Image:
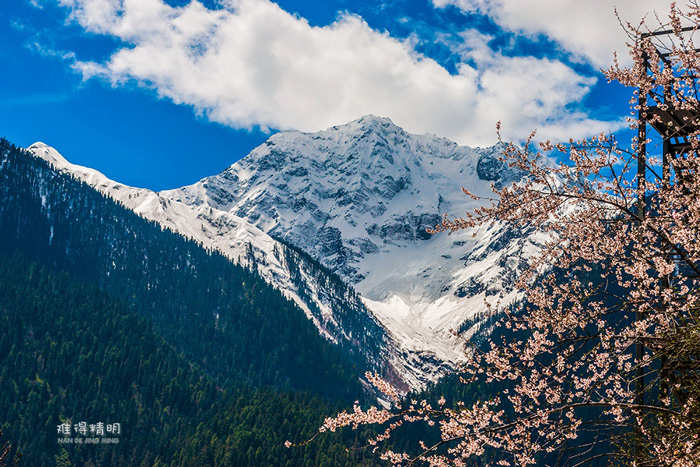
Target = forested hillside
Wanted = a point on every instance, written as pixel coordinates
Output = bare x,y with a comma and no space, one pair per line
72,353
215,313
108,318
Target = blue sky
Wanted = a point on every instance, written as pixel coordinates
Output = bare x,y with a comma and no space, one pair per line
160,93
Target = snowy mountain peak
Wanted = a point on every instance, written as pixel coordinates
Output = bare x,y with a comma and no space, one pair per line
90,176
358,199
368,127
371,122
48,153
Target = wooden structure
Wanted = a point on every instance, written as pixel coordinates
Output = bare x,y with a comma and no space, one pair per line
678,126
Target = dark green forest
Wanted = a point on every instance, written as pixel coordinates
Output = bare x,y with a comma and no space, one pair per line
109,318
72,353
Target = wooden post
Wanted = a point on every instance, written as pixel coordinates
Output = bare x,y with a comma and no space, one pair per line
641,213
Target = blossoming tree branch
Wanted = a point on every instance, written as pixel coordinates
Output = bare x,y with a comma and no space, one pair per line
601,362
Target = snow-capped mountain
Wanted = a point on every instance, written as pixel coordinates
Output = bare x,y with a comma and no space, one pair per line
357,198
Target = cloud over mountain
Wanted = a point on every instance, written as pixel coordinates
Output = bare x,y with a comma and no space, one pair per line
589,30
250,63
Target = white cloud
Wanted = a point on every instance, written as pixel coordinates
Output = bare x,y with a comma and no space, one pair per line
252,64
588,29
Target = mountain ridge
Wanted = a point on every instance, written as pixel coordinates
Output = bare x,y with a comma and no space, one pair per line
357,198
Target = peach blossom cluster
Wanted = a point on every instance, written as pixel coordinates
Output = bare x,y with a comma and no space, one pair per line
611,317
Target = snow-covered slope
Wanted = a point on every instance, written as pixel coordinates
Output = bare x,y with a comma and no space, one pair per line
358,199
